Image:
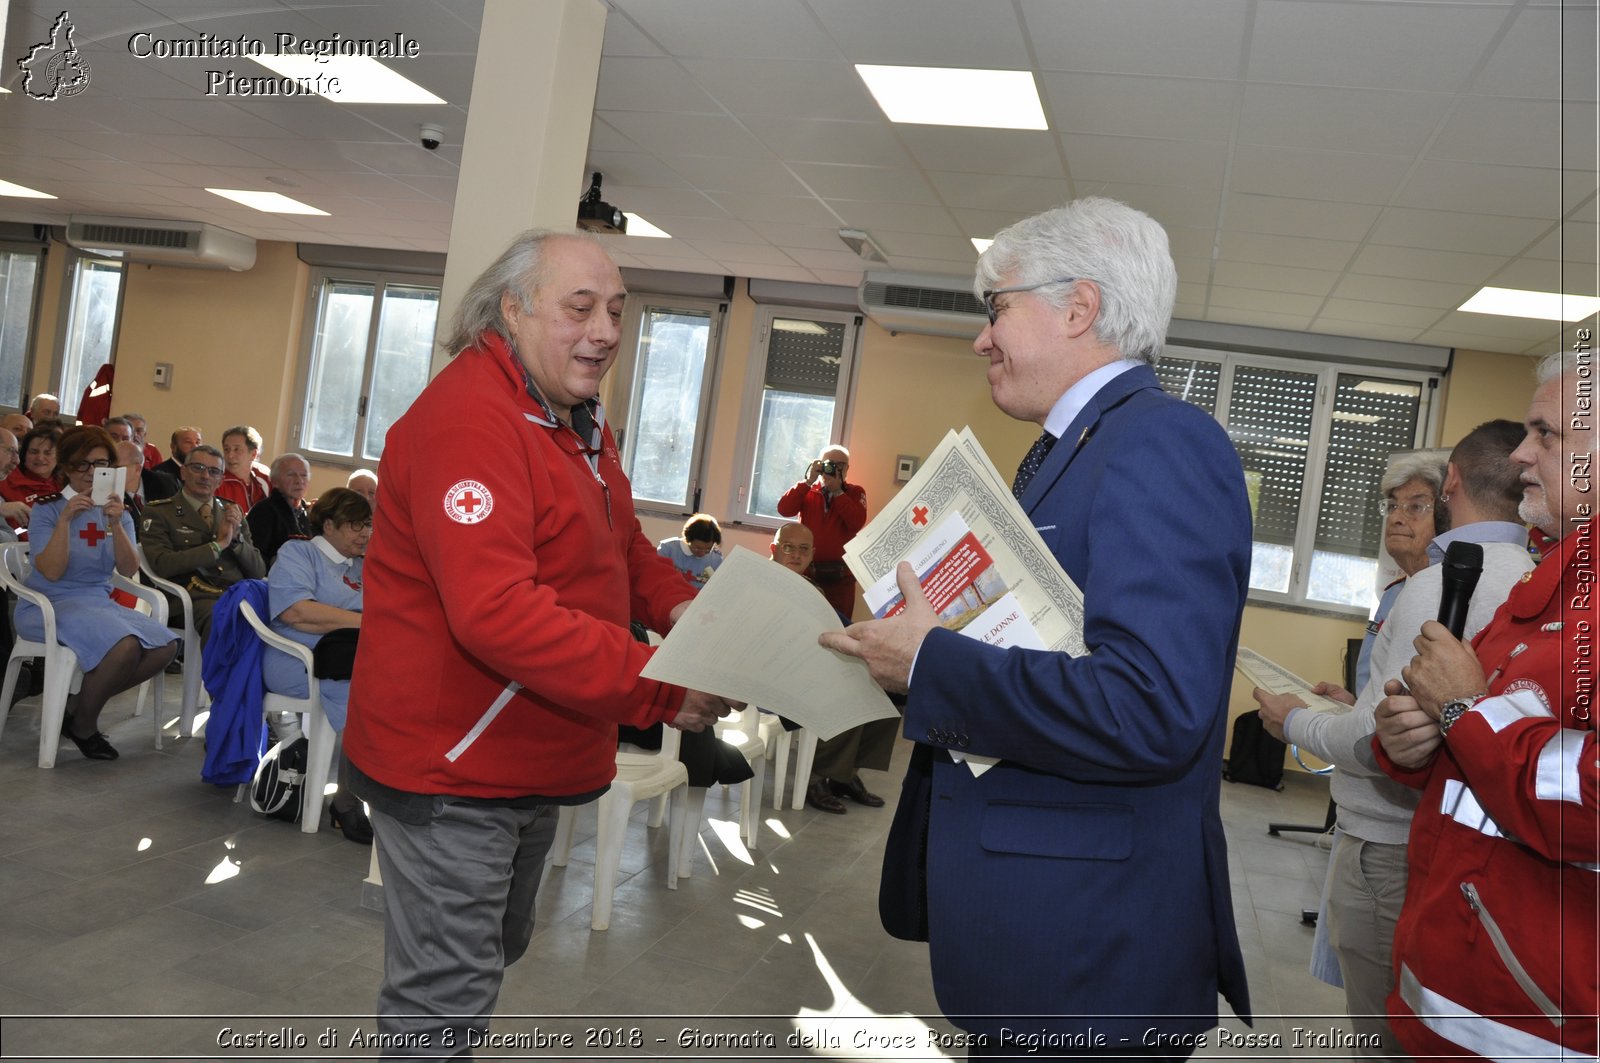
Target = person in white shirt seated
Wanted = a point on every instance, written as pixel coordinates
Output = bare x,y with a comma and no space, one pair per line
698,551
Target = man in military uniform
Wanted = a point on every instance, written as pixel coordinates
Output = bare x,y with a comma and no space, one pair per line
199,540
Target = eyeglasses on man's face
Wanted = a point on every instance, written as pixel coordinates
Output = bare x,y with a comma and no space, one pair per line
989,294
213,472
1410,509
85,466
795,548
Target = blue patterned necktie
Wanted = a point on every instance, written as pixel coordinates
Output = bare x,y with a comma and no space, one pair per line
1031,462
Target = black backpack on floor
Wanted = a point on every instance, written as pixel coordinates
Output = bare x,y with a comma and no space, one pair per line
1255,757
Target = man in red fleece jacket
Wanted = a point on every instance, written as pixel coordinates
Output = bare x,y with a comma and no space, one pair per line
495,660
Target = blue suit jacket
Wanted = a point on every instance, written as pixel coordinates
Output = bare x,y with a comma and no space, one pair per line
1082,883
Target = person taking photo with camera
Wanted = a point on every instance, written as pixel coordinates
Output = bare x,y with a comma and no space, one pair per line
834,510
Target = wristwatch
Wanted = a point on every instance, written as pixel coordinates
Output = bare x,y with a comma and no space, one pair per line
1455,708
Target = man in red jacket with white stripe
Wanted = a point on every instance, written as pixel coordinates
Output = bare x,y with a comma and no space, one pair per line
1497,951
496,660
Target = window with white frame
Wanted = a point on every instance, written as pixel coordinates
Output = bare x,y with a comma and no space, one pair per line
796,403
370,343
19,282
1314,439
669,360
93,300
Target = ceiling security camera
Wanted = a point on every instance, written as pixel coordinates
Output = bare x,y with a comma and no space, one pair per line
431,136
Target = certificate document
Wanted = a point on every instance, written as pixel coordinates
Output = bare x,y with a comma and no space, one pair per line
751,635
984,568
1271,676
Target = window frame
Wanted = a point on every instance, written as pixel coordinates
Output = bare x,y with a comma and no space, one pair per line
70,396
321,277
41,254
739,491
627,380
1309,512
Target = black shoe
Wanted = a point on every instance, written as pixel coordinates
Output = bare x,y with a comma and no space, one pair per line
95,747
820,797
856,791
355,825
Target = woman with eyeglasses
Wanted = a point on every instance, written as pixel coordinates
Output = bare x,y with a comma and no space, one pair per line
314,589
76,546
34,477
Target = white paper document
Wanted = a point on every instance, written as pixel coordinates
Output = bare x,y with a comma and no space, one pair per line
751,635
981,563
1274,677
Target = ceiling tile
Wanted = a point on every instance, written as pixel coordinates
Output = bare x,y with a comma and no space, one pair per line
1138,160
1504,132
1271,302
1412,317
1546,275
629,83
691,229
921,245
634,169
779,210
844,278
1274,278
818,140
1521,65
1309,174
1286,250
787,236
765,176
1404,291
667,134
743,252
1027,153
985,223
766,271
900,217
1387,45
1193,208
1120,105
625,38
1444,230
1386,261
1525,329
1232,316
1369,330
1340,119
1029,194
1573,241
1517,191
762,87
1170,37
772,29
841,259
973,33
831,181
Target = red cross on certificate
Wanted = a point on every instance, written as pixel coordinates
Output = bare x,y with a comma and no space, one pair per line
91,534
468,502
919,514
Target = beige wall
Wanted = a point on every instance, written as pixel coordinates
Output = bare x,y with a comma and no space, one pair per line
1481,387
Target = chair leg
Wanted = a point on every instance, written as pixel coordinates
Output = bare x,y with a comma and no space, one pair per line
319,759
58,676
694,807
613,825
780,761
802,768
750,802
158,684
561,847
191,685
675,798
658,811
13,667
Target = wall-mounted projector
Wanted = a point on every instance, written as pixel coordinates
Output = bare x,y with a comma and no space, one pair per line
598,216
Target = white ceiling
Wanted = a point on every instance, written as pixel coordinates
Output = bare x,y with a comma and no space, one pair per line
1357,167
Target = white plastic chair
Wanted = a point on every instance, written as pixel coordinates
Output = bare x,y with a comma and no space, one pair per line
62,676
319,755
640,777
805,744
192,691
743,731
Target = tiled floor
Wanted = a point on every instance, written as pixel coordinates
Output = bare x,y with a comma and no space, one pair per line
143,913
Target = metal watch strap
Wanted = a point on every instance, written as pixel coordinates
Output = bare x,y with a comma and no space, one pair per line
1455,708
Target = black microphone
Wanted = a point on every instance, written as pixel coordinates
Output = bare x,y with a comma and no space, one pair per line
1460,569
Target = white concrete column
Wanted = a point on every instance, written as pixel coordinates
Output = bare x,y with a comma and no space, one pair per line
527,133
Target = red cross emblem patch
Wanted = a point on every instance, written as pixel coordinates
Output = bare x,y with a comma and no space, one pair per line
468,502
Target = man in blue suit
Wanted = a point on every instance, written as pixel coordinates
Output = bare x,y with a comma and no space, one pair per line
1075,896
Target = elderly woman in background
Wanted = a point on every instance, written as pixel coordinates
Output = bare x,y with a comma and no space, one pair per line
76,545
34,478
695,552
282,515
314,588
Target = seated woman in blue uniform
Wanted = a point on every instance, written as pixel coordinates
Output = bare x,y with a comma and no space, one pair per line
697,552
76,544
313,588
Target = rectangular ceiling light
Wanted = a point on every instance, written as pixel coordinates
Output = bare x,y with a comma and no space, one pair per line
981,244
1546,306
956,96
637,226
360,79
9,189
271,202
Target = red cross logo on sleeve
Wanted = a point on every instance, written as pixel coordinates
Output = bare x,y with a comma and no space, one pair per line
468,502
919,514
91,534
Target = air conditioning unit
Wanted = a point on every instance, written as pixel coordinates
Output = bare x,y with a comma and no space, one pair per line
165,243
923,303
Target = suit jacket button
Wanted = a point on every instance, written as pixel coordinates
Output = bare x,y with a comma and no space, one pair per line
962,740
933,735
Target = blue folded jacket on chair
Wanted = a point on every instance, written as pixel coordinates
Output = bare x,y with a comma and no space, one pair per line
231,671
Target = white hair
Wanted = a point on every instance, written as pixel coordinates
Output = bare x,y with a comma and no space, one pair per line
1124,251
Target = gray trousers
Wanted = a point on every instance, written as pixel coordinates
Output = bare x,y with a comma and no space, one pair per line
1366,887
458,897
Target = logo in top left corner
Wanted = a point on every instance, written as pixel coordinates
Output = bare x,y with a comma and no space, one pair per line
468,502
54,68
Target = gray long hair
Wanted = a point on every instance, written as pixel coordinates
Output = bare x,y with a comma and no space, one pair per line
520,271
